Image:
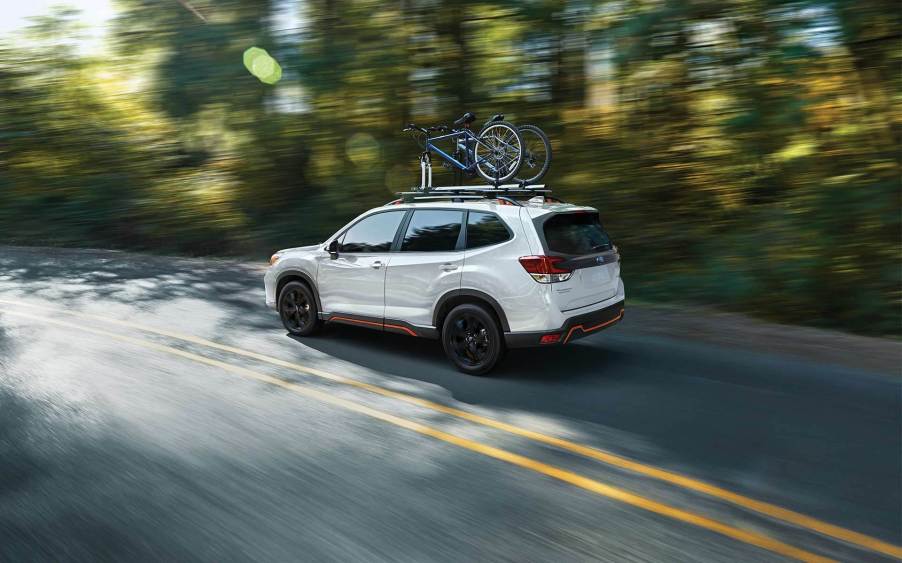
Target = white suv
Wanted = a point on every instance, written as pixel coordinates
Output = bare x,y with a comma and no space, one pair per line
480,273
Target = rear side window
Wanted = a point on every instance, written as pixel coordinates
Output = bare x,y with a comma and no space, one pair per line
373,234
432,230
576,233
484,229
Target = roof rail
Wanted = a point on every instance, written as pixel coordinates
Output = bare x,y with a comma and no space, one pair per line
508,192
537,188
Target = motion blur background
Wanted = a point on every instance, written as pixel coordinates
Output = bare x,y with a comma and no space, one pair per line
743,154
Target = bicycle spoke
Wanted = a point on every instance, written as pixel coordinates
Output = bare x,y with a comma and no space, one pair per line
498,152
507,145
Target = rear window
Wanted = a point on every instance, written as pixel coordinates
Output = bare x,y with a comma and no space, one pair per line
432,230
576,233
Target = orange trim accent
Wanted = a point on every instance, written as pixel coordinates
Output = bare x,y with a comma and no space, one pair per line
373,323
359,321
592,328
404,328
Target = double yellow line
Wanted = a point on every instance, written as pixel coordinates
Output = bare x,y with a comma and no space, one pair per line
767,509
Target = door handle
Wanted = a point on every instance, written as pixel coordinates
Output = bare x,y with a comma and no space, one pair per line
376,265
449,267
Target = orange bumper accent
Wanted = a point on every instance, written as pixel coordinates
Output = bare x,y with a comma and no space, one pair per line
586,330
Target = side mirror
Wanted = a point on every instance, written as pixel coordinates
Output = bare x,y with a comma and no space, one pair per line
333,249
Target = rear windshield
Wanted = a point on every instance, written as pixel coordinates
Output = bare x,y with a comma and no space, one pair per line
576,233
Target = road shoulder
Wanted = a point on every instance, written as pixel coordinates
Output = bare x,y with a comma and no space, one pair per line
704,325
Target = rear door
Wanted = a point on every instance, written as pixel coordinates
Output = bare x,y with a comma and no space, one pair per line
428,264
579,237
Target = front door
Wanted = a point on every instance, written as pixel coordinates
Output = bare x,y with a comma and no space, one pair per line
354,282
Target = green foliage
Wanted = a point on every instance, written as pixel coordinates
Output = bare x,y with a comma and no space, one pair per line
743,154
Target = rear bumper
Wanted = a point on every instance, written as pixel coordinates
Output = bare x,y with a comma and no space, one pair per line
575,327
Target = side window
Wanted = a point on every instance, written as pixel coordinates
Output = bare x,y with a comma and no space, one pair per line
433,230
484,229
373,234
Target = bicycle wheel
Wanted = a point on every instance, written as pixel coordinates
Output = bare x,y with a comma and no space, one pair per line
536,154
499,151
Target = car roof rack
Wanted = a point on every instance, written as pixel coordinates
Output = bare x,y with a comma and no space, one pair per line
507,193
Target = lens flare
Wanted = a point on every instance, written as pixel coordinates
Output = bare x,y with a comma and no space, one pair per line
259,63
362,148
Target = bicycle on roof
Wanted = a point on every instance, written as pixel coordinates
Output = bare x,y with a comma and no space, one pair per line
496,153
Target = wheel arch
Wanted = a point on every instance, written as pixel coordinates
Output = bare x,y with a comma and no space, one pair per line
297,275
457,297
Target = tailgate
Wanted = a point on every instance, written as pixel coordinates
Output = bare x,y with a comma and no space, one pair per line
588,285
579,238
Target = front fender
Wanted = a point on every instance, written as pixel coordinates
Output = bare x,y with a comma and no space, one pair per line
298,267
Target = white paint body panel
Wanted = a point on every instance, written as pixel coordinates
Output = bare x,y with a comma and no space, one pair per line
302,260
496,271
353,283
586,287
416,280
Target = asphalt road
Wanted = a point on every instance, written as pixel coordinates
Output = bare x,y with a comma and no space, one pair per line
152,408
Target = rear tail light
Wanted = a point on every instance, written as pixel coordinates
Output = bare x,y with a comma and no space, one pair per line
550,339
545,269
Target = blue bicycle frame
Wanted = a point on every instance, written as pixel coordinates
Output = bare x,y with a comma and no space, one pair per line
468,135
491,164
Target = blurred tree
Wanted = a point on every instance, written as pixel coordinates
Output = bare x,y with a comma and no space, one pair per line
743,153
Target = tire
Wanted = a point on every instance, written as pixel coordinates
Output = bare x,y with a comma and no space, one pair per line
508,156
472,339
297,309
536,155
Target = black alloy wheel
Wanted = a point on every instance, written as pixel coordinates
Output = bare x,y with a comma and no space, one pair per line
297,309
472,339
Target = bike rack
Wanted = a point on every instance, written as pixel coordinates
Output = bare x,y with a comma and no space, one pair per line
497,191
426,179
504,192
425,172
